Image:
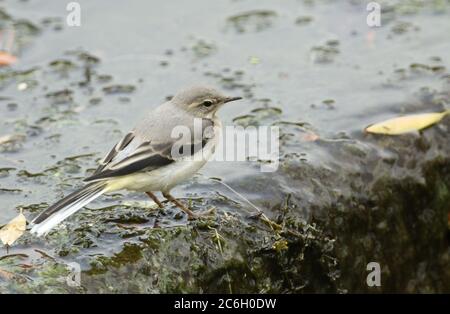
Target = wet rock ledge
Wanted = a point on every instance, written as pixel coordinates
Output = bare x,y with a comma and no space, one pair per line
352,201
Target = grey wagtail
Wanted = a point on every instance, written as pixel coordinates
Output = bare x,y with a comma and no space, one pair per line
144,160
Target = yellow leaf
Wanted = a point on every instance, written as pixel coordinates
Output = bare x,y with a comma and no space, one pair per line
13,230
406,124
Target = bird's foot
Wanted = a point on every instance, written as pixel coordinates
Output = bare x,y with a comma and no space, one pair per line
189,212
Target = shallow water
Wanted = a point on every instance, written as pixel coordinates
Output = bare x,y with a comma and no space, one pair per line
83,87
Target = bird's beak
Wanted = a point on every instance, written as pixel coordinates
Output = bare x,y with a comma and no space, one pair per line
228,99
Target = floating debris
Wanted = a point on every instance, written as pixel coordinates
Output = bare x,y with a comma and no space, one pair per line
34,208
406,124
5,190
119,89
202,49
303,20
56,23
95,101
84,56
256,21
325,53
231,80
330,103
104,78
419,68
62,66
64,96
258,116
401,28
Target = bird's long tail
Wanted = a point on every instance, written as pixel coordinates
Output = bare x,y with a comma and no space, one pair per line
69,205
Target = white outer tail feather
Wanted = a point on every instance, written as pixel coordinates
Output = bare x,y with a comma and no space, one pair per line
45,226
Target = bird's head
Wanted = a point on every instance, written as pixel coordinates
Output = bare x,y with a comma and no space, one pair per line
201,101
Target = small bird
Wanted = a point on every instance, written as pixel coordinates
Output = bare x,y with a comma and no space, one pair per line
144,160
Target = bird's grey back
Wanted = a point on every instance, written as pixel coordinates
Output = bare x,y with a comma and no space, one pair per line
157,124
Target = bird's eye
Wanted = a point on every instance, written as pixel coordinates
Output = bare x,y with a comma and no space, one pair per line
207,103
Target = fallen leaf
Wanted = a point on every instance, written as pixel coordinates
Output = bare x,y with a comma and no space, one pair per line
6,58
406,124
13,230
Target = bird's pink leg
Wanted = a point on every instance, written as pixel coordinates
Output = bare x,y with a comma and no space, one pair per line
155,199
191,215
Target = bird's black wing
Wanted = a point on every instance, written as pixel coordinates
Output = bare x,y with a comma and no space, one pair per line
119,147
131,154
